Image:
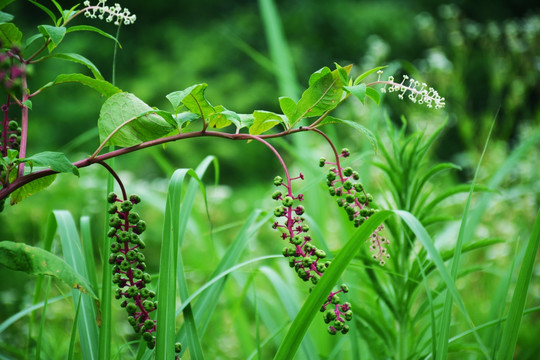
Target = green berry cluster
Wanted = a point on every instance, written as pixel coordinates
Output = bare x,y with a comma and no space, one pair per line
335,314
307,260
10,135
129,267
344,184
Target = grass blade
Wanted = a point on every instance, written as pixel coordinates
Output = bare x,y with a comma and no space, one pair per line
74,256
515,314
311,307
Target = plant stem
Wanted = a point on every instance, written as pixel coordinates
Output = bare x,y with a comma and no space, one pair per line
24,121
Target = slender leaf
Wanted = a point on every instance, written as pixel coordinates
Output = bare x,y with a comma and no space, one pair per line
264,121
79,59
103,87
93,29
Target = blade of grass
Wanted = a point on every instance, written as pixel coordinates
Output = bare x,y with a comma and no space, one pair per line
279,50
13,318
444,330
86,239
71,350
311,307
515,314
73,254
166,296
43,317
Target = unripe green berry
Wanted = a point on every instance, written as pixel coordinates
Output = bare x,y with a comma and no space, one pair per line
140,257
132,291
115,222
345,329
112,209
133,218
276,195
140,227
131,255
135,199
144,291
364,212
340,202
332,190
305,227
148,305
131,308
344,288
315,279
132,321
123,236
285,251
151,295
278,180
322,162
287,201
347,171
13,125
349,198
335,299
331,176
151,344
321,268
177,348
112,259
338,325
278,211
347,185
141,244
126,206
115,247
307,261
149,324
118,294
147,336
111,198
112,232
125,265
330,315
291,262
299,210
297,240
320,254
356,175
138,274
348,315
146,278
345,152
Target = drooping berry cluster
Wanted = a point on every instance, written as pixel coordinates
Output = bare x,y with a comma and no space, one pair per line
10,133
129,267
306,259
11,71
336,314
352,197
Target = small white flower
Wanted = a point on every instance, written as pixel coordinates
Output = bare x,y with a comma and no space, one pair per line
109,13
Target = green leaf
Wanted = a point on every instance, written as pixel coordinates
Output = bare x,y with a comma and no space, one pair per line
4,3
5,17
288,106
79,59
323,94
28,104
184,118
223,118
55,33
9,35
31,188
192,98
55,161
333,120
33,38
131,120
264,121
367,73
93,29
373,95
36,261
103,87
357,90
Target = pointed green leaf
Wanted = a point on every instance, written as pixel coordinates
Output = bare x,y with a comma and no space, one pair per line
333,120
31,188
5,17
33,38
55,33
373,95
4,3
93,29
264,121
223,118
367,73
184,118
79,59
343,73
36,261
9,35
192,98
357,90
55,161
288,106
28,104
324,94
131,120
103,87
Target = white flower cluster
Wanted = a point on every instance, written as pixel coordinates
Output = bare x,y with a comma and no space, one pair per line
109,13
418,92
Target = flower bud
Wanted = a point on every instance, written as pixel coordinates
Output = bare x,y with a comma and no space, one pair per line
345,329
344,288
331,330
335,299
348,315
278,180
345,152
320,254
315,279
338,325
322,162
332,190
299,210
278,211
370,197
305,227
356,175
276,195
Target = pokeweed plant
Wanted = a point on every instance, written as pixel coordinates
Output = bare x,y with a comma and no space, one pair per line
128,123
